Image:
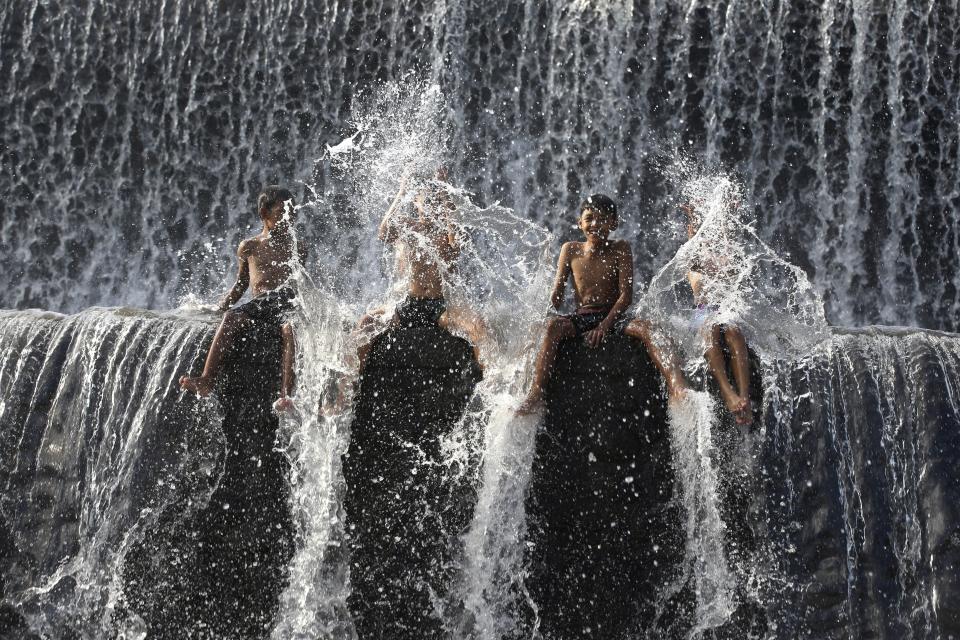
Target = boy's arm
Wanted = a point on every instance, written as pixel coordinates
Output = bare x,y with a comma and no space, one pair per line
388,231
560,281
451,250
695,278
243,278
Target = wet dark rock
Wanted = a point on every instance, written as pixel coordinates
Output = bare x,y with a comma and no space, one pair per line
217,570
604,527
405,509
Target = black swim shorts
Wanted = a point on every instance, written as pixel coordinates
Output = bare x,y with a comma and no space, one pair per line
419,312
270,307
587,320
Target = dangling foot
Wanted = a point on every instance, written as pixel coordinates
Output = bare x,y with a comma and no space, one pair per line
199,385
284,405
744,412
733,402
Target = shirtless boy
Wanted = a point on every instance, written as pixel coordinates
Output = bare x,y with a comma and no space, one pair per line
602,271
266,264
711,266
427,247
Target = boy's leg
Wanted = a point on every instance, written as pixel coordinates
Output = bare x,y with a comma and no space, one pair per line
287,379
558,329
663,355
203,384
468,322
718,366
740,361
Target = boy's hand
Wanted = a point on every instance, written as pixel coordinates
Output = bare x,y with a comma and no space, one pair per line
594,337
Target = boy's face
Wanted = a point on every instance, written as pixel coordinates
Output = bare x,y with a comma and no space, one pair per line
596,224
274,214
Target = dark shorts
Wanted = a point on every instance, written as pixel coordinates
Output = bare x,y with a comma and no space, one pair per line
419,312
270,307
584,321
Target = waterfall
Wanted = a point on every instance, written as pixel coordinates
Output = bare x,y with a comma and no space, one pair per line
155,134
96,446
863,435
136,137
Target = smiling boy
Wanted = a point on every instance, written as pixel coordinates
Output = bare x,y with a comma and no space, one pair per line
602,273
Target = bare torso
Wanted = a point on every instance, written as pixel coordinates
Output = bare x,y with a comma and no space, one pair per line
424,252
596,271
708,269
270,260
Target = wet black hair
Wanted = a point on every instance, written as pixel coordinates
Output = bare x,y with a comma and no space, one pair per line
601,204
271,195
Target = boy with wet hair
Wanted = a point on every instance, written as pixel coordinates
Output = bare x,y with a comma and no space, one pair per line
736,399
602,273
267,263
427,247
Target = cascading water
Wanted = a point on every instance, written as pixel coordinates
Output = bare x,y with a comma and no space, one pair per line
95,392
501,276
835,516
838,116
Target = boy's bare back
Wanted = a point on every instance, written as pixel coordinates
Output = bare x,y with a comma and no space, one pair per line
425,241
425,264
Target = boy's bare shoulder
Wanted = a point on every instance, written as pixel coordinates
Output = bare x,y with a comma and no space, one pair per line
248,247
622,246
570,247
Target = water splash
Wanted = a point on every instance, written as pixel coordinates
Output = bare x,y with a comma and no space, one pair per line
744,282
691,421
501,277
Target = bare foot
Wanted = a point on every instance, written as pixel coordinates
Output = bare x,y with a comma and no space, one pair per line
744,413
284,405
533,404
733,402
198,385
